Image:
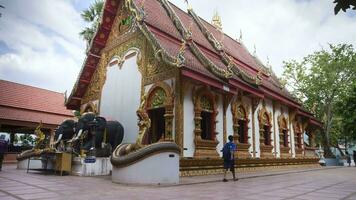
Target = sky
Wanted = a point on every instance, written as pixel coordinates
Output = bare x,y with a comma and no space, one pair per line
40,43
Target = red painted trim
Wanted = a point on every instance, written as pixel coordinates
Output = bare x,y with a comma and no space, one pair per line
283,99
202,78
305,114
317,123
241,85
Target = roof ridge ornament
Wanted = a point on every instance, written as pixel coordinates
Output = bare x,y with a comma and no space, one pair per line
254,50
216,21
251,79
189,7
180,59
240,38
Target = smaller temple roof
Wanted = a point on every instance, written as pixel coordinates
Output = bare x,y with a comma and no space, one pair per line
25,103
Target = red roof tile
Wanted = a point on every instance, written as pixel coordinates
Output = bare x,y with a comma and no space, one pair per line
27,103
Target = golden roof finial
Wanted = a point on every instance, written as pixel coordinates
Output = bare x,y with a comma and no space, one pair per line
269,65
216,21
240,39
190,7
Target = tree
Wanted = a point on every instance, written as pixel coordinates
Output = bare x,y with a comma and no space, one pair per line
347,111
323,81
27,140
344,5
92,15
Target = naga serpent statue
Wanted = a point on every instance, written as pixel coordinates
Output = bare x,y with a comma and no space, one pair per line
126,154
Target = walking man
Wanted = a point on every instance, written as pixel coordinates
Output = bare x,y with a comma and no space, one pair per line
229,158
354,155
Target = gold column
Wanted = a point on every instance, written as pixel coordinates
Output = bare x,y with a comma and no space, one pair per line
179,111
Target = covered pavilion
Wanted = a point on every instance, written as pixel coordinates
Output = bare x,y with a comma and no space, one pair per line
23,107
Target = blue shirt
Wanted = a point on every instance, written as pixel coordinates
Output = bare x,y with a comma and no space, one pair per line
232,147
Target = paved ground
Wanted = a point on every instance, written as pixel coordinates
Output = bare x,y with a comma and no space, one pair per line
324,184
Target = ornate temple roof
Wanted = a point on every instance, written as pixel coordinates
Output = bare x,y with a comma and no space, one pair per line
208,54
30,104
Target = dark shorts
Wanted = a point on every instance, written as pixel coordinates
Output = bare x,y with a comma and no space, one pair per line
229,164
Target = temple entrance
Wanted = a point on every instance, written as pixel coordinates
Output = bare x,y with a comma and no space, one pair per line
206,125
157,128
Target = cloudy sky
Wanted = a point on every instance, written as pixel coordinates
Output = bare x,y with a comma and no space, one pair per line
40,44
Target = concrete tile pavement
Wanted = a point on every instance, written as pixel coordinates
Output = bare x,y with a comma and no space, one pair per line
326,183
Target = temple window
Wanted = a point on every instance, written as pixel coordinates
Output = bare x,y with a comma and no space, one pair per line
206,129
298,136
283,133
299,140
242,131
285,137
157,128
265,128
206,118
205,112
240,120
160,111
267,134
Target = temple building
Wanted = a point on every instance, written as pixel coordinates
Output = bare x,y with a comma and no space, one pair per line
198,86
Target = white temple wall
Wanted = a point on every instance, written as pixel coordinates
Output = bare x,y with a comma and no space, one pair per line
248,101
257,131
229,122
188,139
220,125
290,128
120,97
277,113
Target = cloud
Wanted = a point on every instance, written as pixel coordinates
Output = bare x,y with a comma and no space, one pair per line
41,44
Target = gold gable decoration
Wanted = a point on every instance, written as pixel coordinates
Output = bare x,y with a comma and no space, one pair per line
158,98
97,82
